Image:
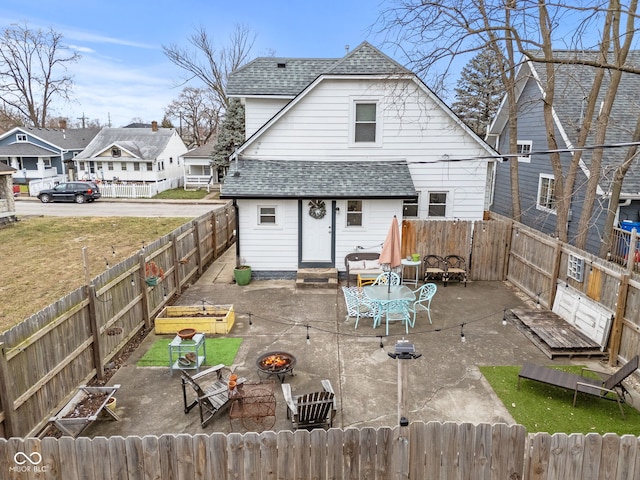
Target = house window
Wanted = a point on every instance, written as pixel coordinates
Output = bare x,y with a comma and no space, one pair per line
47,162
109,165
354,213
437,204
99,165
149,167
266,215
546,193
524,150
136,166
170,160
115,152
365,123
123,166
410,208
21,137
81,165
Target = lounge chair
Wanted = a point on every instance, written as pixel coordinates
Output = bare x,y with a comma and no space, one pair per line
312,410
578,383
212,391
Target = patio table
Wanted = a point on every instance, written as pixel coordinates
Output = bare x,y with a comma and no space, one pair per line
381,296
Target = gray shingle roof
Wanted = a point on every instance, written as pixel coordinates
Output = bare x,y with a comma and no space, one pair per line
573,83
69,139
319,179
289,76
144,143
6,169
203,151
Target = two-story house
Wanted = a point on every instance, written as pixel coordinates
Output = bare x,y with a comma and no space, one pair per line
334,149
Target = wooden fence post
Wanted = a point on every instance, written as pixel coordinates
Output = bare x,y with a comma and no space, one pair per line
616,328
196,240
507,249
143,288
557,257
214,234
176,263
95,332
6,395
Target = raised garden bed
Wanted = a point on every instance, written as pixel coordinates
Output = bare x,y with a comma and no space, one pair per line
207,319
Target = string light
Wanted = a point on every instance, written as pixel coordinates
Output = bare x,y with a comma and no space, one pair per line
308,339
504,317
113,251
463,339
133,280
106,261
164,292
538,301
250,322
204,309
381,344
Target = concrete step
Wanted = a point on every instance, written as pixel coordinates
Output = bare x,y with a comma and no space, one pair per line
317,278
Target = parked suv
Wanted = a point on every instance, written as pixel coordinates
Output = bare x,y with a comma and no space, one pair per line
78,192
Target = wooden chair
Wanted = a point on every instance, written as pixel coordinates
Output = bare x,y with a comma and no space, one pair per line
435,268
311,410
578,383
211,387
456,268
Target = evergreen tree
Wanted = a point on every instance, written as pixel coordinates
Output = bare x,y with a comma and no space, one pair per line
479,91
230,136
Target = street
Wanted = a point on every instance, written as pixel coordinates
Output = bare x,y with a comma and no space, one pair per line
119,208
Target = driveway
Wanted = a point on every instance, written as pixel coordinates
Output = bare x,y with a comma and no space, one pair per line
444,383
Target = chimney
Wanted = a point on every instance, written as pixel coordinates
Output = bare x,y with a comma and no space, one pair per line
63,124
154,126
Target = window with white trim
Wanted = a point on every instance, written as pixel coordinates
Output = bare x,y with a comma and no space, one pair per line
266,215
410,208
546,193
21,137
123,166
437,204
47,162
136,166
109,165
524,150
365,122
354,213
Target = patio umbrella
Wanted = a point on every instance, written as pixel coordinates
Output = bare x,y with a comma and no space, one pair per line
391,255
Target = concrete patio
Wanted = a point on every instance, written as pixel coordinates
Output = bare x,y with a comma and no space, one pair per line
444,383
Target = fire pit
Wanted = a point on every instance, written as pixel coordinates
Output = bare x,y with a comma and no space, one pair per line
276,363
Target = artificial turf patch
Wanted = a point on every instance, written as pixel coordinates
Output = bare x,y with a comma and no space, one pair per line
219,350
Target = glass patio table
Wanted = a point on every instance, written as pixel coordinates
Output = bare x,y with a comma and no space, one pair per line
384,296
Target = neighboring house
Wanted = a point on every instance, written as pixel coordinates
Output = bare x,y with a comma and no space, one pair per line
335,148
536,179
43,153
132,155
197,168
7,202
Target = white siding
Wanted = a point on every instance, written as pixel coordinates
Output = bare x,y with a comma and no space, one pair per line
259,110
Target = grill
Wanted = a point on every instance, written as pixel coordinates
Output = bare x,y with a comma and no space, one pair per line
276,363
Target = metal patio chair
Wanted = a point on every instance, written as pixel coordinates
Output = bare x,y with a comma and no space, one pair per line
424,295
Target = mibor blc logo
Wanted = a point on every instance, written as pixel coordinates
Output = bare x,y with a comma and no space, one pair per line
27,462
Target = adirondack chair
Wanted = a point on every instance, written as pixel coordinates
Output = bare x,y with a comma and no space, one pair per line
311,410
612,384
211,387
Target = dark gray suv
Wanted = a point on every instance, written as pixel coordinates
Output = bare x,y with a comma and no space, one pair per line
78,192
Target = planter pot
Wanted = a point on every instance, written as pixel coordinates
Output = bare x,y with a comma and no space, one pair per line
151,281
213,319
111,404
242,275
415,257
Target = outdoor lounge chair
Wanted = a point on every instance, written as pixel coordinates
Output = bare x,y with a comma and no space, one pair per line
212,391
312,410
578,383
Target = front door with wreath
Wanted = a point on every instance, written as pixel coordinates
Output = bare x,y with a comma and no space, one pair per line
317,233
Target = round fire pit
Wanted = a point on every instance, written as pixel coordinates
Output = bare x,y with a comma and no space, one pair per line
276,363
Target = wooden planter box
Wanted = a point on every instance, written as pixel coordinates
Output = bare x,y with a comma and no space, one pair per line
213,319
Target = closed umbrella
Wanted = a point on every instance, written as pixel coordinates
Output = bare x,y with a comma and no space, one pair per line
391,255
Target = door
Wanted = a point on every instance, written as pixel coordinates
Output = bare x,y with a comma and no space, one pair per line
317,235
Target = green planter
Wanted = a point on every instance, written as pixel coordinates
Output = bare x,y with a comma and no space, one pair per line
151,281
242,275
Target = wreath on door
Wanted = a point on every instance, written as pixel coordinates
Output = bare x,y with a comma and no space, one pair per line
317,209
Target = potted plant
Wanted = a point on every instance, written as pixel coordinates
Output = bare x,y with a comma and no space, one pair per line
152,273
242,273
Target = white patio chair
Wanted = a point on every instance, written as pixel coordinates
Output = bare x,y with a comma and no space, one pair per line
386,278
424,295
357,304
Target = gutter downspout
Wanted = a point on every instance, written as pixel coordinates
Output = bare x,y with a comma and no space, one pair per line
236,210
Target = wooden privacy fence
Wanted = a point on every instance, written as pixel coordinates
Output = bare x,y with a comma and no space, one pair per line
434,451
46,357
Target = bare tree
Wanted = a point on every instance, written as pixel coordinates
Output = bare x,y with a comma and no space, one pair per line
198,112
209,64
33,71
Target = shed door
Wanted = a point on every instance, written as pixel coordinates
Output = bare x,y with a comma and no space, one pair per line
317,233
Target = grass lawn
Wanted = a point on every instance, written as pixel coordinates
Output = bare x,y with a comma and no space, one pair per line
42,256
544,408
219,350
182,194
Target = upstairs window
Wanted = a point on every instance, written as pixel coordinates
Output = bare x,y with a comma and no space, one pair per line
115,152
365,123
524,151
437,204
410,208
546,193
21,137
354,213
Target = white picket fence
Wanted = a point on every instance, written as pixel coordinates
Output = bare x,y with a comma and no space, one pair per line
113,190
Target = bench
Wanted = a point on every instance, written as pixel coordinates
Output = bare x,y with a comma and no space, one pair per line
357,263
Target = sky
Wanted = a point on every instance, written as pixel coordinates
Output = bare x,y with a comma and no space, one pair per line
123,74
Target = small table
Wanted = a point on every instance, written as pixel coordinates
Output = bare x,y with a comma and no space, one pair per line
179,348
367,278
410,263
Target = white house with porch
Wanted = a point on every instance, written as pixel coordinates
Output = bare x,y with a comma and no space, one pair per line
335,148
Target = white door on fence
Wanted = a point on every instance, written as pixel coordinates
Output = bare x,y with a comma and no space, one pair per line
317,233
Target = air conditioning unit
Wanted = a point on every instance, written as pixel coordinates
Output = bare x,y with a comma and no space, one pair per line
575,268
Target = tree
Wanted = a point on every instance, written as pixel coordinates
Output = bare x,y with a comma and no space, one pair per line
231,135
210,65
479,91
33,71
198,113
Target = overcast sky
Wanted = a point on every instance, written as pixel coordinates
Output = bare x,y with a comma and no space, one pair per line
123,73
